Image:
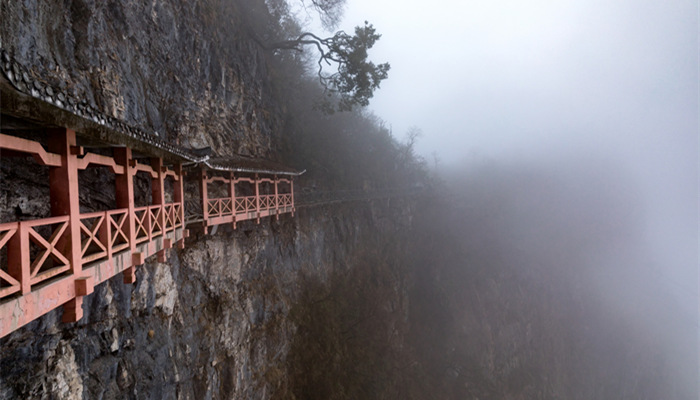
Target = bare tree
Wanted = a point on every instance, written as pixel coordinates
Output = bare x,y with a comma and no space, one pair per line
329,11
412,136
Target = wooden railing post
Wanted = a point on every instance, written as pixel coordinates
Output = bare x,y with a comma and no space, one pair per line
158,189
277,200
125,199
257,197
104,235
232,195
291,188
65,200
179,197
158,198
18,258
204,194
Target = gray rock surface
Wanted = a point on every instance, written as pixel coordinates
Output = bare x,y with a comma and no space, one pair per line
210,323
168,67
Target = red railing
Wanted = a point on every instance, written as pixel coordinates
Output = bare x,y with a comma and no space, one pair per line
285,200
142,224
103,233
94,245
168,213
219,207
173,216
179,215
234,208
245,204
56,261
52,262
118,236
149,224
36,252
154,213
222,207
268,202
8,284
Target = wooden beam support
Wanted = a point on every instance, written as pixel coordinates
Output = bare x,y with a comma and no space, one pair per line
125,199
232,195
34,148
179,195
18,263
129,275
257,198
204,194
158,190
162,256
65,200
277,202
84,286
73,310
291,189
92,158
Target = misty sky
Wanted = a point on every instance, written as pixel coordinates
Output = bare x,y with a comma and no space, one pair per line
509,80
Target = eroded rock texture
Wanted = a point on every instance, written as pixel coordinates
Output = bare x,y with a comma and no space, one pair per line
185,70
212,322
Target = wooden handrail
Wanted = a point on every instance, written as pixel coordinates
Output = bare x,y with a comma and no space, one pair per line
42,156
78,250
92,158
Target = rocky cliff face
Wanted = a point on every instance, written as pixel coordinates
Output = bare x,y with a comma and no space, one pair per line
185,70
315,306
212,322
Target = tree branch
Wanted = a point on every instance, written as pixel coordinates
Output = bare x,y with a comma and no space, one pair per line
356,78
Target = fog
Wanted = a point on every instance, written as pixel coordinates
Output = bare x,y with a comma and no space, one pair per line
564,246
599,96
543,81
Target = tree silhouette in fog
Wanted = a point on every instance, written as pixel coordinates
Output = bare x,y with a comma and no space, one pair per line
355,78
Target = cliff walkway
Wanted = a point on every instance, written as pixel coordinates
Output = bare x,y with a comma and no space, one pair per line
55,261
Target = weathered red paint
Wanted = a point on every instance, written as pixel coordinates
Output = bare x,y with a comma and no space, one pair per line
233,209
232,195
158,192
204,194
88,249
179,197
125,199
65,200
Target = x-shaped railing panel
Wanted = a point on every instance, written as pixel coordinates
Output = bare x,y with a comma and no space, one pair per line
92,237
156,224
168,210
143,224
225,205
177,207
50,249
119,239
213,208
